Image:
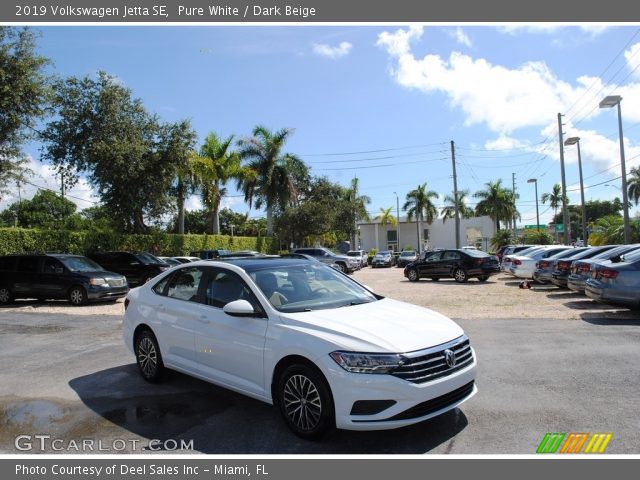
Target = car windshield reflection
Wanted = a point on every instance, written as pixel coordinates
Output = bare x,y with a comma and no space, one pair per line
303,288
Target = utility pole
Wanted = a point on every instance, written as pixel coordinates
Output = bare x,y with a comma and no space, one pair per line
513,192
455,194
565,212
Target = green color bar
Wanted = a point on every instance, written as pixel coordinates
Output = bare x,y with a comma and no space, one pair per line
550,443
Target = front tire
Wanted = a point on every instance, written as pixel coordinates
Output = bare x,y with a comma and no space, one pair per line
343,267
305,402
413,276
460,275
148,357
77,296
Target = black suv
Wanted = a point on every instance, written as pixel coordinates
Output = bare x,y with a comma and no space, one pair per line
208,254
44,276
138,267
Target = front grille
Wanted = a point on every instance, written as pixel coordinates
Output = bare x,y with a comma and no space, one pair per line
429,366
115,282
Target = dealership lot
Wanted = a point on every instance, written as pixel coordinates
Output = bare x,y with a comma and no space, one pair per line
548,361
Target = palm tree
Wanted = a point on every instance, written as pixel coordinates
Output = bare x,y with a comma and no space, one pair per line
555,200
271,176
212,169
496,202
357,205
386,217
449,210
418,204
633,185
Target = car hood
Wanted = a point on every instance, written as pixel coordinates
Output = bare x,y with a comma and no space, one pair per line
383,326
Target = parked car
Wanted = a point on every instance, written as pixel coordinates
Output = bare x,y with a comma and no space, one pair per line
172,262
304,256
347,264
523,266
563,267
187,259
207,254
383,258
616,283
461,265
407,257
138,267
58,276
323,349
581,269
360,255
505,262
546,266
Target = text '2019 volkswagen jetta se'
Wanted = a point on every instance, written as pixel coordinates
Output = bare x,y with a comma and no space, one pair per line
304,337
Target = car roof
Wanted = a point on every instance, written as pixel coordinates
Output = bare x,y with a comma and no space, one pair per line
257,263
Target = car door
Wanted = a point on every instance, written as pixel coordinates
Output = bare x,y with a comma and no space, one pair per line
55,278
26,278
177,315
229,349
430,265
450,261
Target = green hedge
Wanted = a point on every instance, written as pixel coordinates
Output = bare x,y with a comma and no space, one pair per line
20,240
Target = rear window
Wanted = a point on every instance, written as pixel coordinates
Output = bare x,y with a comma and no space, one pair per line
7,263
28,264
476,253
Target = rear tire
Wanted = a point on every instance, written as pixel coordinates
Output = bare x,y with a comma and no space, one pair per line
305,402
6,297
148,357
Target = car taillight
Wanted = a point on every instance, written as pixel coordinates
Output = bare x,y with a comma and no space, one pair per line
126,303
606,273
516,262
543,264
564,266
583,268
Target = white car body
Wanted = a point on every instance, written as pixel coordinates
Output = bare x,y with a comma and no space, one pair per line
523,266
244,353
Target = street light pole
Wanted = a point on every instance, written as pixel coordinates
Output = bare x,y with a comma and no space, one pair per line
576,141
535,181
398,219
608,102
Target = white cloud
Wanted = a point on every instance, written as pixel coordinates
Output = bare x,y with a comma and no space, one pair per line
504,142
459,36
546,28
632,56
45,177
328,51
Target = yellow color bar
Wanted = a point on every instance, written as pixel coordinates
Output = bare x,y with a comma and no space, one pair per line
598,443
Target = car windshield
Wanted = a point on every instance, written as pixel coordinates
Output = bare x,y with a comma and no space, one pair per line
307,287
384,253
81,264
408,254
354,254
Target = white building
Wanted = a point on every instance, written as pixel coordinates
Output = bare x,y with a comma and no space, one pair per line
473,231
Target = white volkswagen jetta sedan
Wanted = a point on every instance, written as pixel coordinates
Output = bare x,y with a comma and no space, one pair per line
297,334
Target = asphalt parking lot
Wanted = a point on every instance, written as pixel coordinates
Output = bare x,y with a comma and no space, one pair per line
549,361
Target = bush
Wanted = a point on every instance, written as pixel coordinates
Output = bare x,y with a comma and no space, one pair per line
20,240
536,237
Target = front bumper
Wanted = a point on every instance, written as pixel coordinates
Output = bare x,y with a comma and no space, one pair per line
413,402
97,293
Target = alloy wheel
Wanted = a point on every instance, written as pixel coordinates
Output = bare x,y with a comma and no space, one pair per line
302,402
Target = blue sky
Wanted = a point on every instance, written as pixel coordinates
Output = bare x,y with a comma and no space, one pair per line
399,94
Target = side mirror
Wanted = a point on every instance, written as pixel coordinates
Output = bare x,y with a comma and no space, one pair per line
239,308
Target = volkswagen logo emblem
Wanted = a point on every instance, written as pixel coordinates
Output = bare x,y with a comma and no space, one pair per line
450,358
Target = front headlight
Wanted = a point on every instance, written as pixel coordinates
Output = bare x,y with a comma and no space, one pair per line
97,281
355,362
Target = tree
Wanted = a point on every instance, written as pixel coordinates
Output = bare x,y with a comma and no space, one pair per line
212,169
386,217
419,205
45,210
555,199
24,95
496,202
633,185
356,209
501,238
181,143
449,210
101,132
271,177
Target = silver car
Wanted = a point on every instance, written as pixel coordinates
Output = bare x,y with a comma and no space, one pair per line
581,269
616,283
